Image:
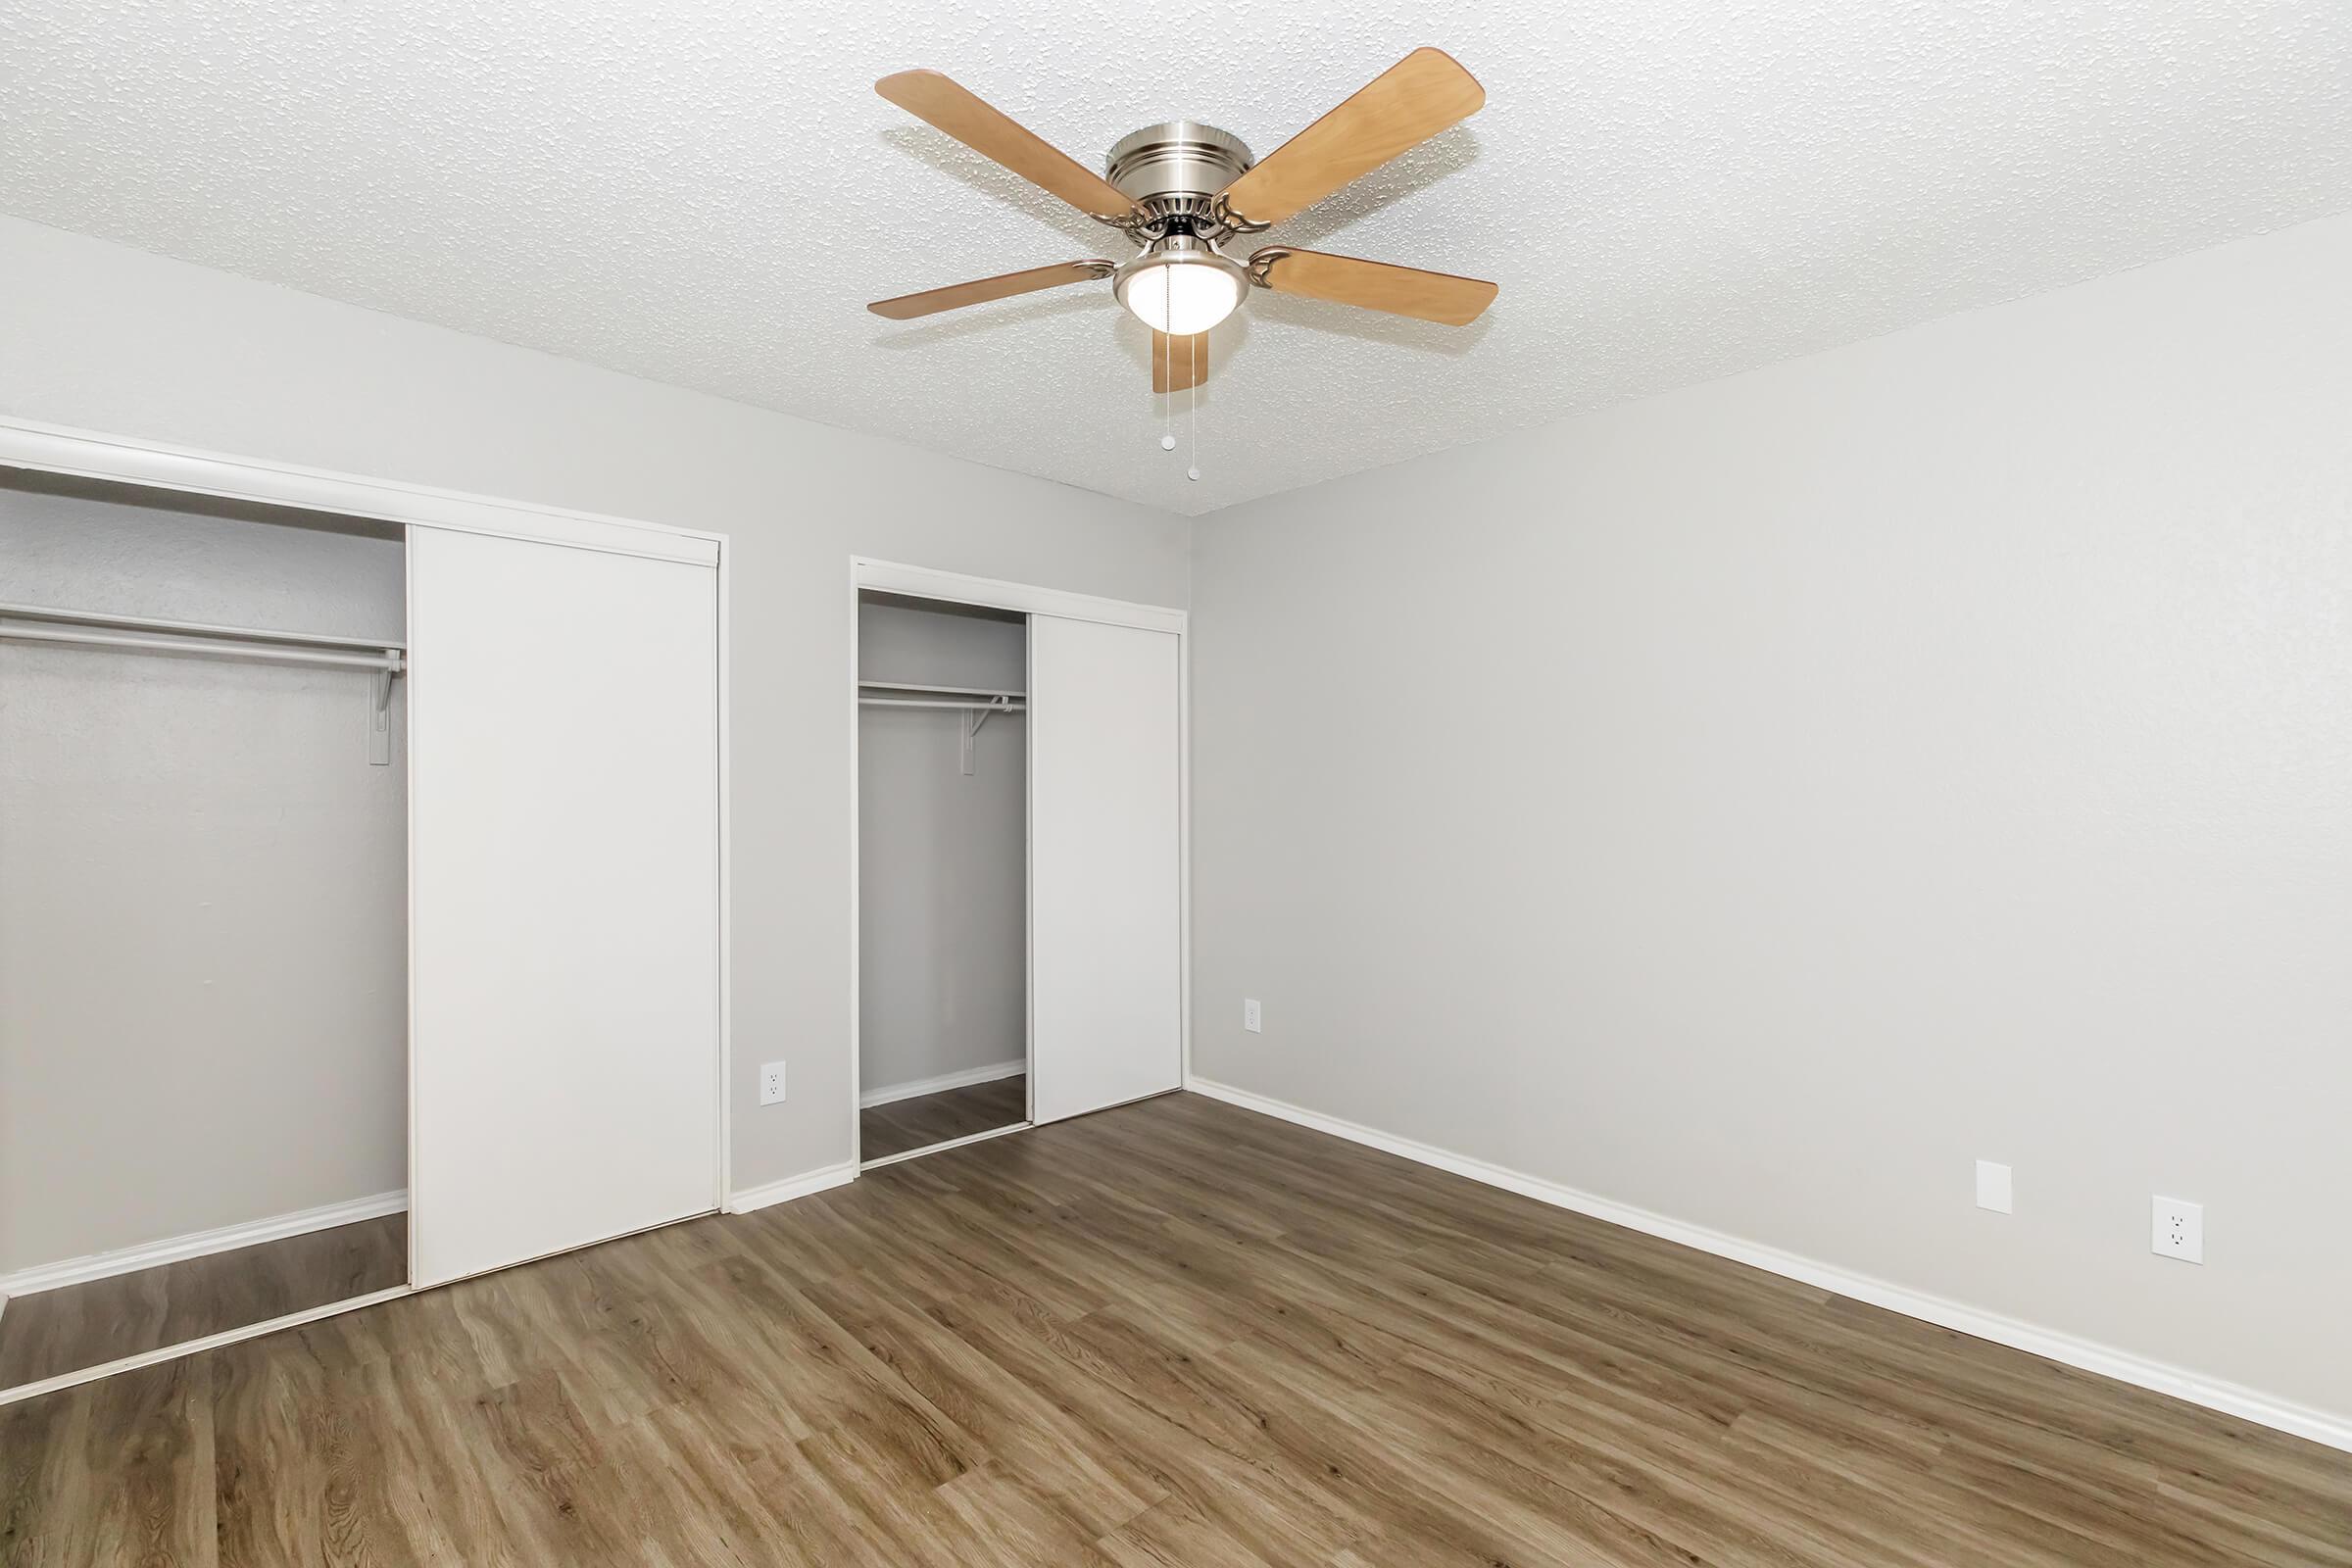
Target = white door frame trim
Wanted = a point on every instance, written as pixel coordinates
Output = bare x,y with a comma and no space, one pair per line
40,448
927,582
159,465
995,593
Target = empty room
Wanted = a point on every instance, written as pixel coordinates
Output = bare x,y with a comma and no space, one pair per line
985,783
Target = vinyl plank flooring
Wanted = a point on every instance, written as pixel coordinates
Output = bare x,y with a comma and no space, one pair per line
927,1119
76,1326
1173,1334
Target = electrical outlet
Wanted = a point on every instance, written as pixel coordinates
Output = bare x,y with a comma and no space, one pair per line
2178,1230
771,1082
1992,1187
1249,1015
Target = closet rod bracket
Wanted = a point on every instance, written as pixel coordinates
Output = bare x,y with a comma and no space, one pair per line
974,718
380,712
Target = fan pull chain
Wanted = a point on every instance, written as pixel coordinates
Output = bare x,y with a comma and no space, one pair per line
1192,398
1164,347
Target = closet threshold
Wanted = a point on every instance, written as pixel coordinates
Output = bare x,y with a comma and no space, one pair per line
935,1149
210,1341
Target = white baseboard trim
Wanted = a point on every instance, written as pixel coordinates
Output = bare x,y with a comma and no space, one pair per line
199,1244
791,1187
2230,1399
941,1084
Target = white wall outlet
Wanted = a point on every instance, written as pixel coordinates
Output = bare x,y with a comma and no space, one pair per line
771,1082
1992,1187
2178,1230
1249,1016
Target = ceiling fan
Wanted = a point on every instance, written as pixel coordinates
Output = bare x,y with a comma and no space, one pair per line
1181,190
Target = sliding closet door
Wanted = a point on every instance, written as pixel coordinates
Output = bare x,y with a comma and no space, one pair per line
563,801
1106,1013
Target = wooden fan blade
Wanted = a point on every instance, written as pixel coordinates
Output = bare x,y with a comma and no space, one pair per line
931,301
989,132
1374,285
1399,109
1178,363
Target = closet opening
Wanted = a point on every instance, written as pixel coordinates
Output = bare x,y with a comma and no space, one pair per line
204,1118
943,868
1018,784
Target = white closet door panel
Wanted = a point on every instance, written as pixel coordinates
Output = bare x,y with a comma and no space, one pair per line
1105,939
564,810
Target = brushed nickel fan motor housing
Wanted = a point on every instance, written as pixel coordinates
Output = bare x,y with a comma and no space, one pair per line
1175,169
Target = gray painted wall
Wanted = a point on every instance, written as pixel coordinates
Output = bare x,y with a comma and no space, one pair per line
104,337
943,901
202,888
1757,803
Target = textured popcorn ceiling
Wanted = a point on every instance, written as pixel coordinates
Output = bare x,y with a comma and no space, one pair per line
706,194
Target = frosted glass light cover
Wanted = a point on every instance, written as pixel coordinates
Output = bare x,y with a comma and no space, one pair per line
1181,298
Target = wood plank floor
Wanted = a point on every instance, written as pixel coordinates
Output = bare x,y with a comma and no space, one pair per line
76,1326
927,1119
1172,1334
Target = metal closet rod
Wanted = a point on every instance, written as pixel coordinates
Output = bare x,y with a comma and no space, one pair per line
999,707
937,691
387,655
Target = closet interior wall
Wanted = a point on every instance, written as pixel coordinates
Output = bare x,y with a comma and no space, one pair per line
943,854
203,880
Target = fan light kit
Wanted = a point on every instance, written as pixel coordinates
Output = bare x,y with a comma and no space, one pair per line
1181,285
1181,190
